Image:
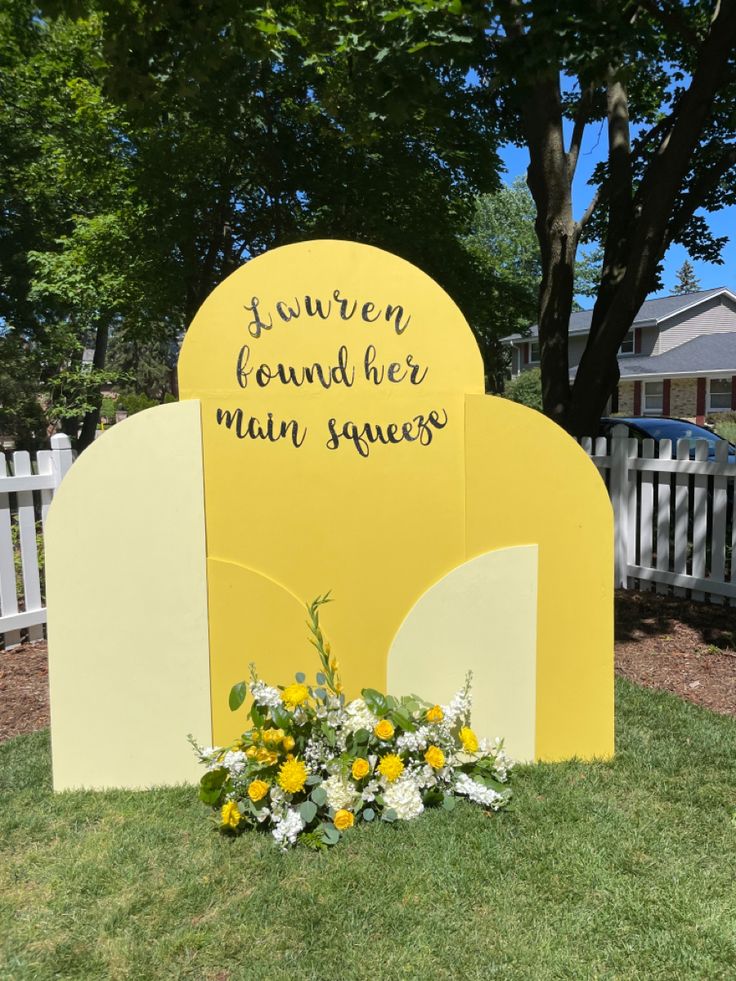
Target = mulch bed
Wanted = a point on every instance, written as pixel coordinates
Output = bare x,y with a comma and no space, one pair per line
662,642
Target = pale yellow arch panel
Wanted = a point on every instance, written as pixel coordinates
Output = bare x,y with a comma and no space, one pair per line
481,617
127,606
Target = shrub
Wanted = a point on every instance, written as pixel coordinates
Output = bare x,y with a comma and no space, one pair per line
724,424
526,389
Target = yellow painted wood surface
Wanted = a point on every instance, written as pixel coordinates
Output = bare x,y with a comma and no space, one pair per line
481,617
376,530
528,481
127,606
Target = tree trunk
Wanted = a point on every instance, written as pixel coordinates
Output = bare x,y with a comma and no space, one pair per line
92,418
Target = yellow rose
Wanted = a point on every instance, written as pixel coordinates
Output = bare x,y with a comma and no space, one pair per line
292,776
267,757
469,740
294,695
273,736
435,714
361,768
257,790
391,767
255,736
230,815
384,730
288,743
343,820
251,752
434,757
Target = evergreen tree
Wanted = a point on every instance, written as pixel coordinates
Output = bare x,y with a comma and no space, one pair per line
686,280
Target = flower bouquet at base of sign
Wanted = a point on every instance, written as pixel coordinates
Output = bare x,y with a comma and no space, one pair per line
312,765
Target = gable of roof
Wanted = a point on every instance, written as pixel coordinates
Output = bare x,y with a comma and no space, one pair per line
652,312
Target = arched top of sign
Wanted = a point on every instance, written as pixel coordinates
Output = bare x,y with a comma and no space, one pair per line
328,316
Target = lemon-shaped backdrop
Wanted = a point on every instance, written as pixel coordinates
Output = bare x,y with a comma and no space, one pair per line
332,434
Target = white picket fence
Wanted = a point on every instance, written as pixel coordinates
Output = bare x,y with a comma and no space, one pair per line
675,522
674,516
26,490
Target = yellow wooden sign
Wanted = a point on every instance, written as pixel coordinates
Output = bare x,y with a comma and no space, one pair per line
340,439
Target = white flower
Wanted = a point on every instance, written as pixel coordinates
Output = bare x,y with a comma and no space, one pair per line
412,741
477,792
458,709
264,694
403,797
359,716
340,793
370,791
287,830
235,762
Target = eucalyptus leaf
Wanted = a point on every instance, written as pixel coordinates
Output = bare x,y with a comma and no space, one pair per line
300,677
368,814
319,796
308,811
389,815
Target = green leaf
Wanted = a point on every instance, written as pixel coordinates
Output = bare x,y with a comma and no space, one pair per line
237,695
281,717
448,803
211,784
257,716
330,834
319,796
361,737
375,701
308,811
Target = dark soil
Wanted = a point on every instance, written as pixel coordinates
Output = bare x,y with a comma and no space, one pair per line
662,642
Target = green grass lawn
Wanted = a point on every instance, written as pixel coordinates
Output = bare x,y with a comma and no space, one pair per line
608,870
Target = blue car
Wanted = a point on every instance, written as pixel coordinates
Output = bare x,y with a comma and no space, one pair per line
651,427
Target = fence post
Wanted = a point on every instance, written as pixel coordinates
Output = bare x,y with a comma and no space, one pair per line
620,502
61,456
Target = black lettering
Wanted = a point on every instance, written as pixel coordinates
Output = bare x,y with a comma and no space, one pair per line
242,371
256,325
366,310
397,312
288,313
313,307
344,305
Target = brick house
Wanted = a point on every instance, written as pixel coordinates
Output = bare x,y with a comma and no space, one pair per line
679,358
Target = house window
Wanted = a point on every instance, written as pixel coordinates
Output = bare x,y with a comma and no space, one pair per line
533,352
719,394
653,398
627,345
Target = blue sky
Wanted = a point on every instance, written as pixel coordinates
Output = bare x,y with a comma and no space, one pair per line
593,150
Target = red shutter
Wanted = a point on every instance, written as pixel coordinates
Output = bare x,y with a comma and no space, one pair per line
733,392
637,340
525,350
666,397
614,400
637,398
700,404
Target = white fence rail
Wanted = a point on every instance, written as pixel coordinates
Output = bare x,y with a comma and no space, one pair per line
674,514
26,489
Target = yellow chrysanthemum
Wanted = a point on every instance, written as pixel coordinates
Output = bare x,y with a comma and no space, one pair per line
435,714
343,820
384,729
292,776
391,767
294,695
434,757
469,740
288,743
361,768
257,790
230,815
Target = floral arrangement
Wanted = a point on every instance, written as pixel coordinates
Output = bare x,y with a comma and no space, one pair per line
311,765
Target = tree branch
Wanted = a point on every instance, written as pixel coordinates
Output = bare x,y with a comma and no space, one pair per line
580,121
707,181
672,20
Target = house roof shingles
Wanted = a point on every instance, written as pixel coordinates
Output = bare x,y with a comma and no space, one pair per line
702,355
650,312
